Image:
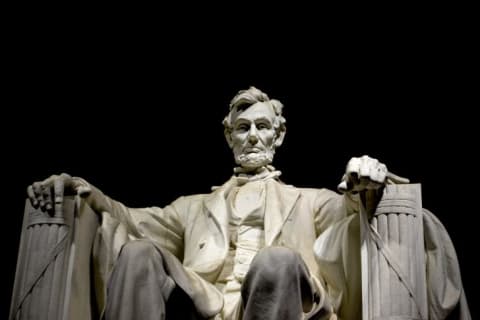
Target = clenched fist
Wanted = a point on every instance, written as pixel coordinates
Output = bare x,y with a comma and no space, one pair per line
366,173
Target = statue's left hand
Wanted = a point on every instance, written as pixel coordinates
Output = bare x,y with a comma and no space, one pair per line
43,194
366,173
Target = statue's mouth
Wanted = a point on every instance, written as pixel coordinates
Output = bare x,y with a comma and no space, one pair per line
252,150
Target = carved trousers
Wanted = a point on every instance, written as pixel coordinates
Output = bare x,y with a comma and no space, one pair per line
277,286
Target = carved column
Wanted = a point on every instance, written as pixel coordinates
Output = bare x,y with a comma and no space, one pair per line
393,257
52,279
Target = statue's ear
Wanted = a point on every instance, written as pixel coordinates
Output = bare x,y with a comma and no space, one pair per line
228,137
279,138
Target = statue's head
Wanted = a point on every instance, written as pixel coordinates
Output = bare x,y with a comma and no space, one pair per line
254,128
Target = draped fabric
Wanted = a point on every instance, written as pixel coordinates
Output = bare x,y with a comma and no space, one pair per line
337,253
319,224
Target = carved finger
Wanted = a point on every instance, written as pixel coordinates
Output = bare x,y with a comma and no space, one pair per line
349,182
31,196
353,166
344,186
47,196
58,189
367,166
37,190
379,173
49,181
69,184
353,179
382,174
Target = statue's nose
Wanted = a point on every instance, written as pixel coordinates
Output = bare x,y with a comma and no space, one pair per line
252,136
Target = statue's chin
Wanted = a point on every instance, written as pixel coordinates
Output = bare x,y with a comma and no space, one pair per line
252,161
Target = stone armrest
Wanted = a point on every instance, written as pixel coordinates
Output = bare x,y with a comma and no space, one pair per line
53,276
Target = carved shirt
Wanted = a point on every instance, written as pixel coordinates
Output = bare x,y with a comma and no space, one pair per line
246,205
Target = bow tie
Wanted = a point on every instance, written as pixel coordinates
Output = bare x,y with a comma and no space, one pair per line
262,173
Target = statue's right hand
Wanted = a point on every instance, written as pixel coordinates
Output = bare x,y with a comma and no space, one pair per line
55,187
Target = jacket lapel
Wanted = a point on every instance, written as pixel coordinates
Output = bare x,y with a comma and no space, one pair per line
280,201
278,207
216,208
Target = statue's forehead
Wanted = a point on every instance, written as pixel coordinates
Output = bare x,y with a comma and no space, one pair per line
258,110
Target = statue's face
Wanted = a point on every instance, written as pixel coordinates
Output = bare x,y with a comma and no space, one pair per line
253,136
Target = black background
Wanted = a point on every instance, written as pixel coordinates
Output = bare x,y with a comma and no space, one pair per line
138,114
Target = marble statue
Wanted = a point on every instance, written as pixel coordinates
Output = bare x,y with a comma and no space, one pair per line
257,248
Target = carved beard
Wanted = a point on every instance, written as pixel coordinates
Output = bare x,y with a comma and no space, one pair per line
255,160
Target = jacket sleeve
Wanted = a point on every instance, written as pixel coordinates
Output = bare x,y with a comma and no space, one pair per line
163,226
444,284
120,224
331,207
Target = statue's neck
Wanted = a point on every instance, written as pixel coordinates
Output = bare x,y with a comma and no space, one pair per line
261,173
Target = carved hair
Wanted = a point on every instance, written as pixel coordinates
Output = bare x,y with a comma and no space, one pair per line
245,98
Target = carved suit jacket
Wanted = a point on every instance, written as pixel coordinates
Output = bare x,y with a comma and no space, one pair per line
194,230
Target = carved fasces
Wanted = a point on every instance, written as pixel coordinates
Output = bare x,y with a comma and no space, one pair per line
393,256
50,253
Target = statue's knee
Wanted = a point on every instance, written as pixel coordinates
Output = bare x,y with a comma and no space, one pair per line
274,263
139,251
276,256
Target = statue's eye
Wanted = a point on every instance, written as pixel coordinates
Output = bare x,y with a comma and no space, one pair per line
262,126
242,127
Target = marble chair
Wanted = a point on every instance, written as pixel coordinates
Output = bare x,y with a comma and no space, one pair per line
55,277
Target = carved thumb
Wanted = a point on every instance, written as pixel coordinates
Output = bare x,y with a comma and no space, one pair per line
81,187
394,179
